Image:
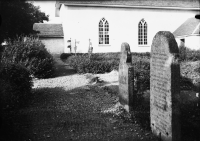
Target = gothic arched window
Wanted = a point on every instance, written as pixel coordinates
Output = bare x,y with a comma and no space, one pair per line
142,32
103,31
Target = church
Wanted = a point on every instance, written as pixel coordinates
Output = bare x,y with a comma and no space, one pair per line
105,24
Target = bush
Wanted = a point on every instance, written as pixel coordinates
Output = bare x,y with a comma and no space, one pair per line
141,75
31,53
65,56
95,64
101,62
106,62
16,83
187,54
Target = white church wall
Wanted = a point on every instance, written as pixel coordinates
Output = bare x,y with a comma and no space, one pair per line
81,23
193,42
178,41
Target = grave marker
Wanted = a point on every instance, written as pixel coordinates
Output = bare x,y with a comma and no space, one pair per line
126,78
164,87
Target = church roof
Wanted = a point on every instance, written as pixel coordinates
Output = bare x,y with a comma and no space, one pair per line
197,31
153,3
48,29
189,27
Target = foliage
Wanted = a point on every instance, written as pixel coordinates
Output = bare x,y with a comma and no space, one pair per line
141,75
18,18
95,64
16,83
186,54
190,73
31,53
102,62
65,56
137,56
106,56
106,62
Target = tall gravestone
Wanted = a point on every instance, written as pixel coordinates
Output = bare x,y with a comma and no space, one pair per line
126,78
164,87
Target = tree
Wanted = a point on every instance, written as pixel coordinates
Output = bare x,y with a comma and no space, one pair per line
18,17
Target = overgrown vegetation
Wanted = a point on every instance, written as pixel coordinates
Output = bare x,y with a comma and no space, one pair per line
187,54
106,62
15,85
95,64
31,53
21,60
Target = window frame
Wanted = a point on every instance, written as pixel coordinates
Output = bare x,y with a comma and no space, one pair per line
142,33
104,36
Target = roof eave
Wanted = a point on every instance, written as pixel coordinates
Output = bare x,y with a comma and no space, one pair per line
132,6
196,28
49,36
182,36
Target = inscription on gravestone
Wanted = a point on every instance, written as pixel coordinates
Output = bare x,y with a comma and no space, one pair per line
126,78
164,87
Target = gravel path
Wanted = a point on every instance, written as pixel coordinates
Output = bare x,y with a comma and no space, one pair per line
67,82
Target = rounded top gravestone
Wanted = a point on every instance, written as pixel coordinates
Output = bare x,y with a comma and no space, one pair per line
165,43
126,56
164,87
126,78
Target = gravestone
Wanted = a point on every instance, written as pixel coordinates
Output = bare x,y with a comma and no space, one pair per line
164,87
126,78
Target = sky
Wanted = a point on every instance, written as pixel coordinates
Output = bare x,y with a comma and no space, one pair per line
49,8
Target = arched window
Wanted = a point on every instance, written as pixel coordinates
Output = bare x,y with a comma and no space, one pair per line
103,31
142,32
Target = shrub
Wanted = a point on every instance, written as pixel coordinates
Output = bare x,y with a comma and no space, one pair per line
16,83
141,75
101,62
95,64
187,54
106,56
65,56
31,53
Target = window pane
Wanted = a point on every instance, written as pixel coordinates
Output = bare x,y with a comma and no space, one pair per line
142,32
103,31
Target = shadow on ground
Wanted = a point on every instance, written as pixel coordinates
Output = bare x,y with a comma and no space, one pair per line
64,70
56,114
190,115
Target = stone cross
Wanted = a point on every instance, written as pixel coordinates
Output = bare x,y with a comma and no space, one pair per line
164,87
126,78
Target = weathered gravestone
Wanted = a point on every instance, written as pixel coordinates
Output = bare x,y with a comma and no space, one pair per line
164,87
126,78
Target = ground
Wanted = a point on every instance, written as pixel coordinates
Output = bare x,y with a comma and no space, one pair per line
79,107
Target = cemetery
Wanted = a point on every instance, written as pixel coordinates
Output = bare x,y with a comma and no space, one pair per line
94,77
150,96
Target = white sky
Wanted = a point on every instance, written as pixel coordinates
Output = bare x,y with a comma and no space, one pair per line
49,8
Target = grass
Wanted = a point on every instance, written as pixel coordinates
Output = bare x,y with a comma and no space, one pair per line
56,114
88,113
